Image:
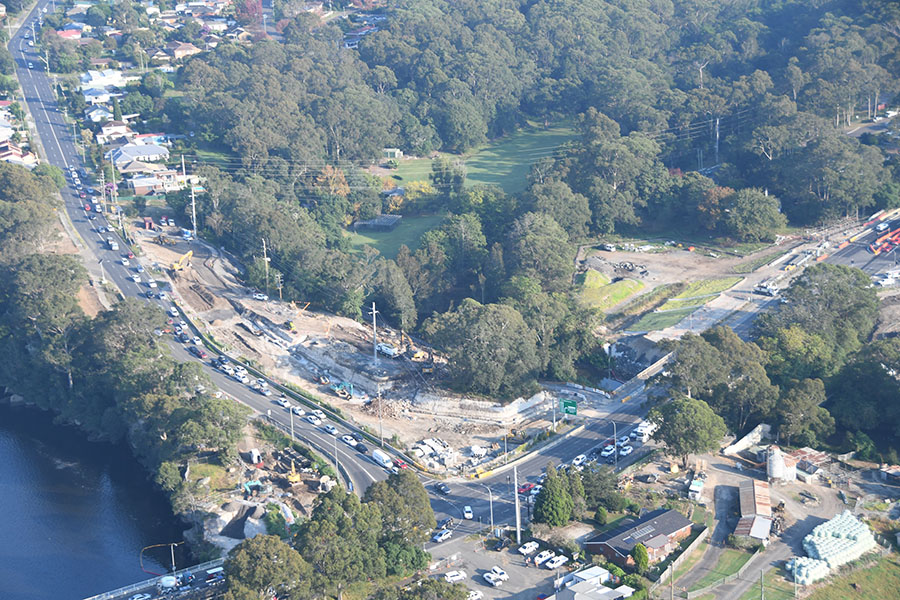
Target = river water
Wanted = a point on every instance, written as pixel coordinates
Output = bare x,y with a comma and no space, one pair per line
74,515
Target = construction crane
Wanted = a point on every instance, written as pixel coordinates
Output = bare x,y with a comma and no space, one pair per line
182,262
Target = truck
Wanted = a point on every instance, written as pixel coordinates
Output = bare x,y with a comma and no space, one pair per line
186,234
387,350
382,458
644,430
113,244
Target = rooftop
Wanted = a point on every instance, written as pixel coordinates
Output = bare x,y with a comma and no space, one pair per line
651,529
755,499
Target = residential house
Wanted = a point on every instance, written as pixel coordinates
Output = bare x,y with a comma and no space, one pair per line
587,590
6,129
115,131
216,24
69,34
143,152
96,96
11,153
158,56
392,153
239,34
659,530
103,79
179,50
77,26
211,41
150,138
756,511
137,166
144,185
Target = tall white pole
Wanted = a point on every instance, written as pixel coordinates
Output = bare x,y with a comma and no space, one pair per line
616,444
291,413
374,335
518,509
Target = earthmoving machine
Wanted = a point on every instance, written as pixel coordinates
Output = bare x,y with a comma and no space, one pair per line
164,240
182,262
293,477
342,389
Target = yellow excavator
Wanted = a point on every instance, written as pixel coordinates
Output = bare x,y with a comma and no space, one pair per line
182,262
293,477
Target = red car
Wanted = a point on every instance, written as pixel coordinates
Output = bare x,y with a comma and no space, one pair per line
131,255
400,464
87,207
525,488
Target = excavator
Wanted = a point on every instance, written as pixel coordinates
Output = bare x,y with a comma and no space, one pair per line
182,262
293,477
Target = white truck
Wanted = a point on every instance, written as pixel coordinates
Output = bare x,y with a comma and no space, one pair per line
387,350
382,458
644,430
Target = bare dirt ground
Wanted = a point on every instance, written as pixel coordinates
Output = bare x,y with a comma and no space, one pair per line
322,344
889,314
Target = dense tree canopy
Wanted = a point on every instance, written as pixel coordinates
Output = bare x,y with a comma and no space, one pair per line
687,426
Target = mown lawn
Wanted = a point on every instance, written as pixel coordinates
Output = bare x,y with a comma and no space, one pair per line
708,286
597,291
730,561
504,162
779,588
660,320
388,243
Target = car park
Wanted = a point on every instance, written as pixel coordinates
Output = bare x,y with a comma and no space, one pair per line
455,576
348,439
443,488
467,512
441,536
625,450
579,460
557,561
313,419
330,429
500,573
492,579
544,557
528,548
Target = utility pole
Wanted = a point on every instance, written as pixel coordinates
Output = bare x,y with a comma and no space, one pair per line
102,273
374,335
266,262
172,551
193,201
518,510
279,282
103,189
380,411
291,413
717,140
762,586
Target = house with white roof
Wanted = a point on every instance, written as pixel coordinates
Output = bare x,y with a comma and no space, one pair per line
103,79
141,152
98,114
99,96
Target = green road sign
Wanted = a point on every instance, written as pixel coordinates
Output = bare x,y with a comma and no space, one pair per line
568,407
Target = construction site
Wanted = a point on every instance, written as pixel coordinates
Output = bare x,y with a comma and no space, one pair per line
396,387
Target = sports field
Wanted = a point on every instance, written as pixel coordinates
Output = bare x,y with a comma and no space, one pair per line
388,243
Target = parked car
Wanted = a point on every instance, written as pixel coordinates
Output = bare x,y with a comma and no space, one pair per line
475,595
526,487
536,490
500,573
557,561
441,536
492,579
544,557
445,523
503,544
259,296
528,548
455,576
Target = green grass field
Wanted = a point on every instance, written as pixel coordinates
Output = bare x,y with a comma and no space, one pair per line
708,286
874,583
779,588
597,292
504,162
730,561
660,320
388,243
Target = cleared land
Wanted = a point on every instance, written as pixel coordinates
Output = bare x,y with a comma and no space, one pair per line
388,243
760,261
597,291
708,287
660,320
504,162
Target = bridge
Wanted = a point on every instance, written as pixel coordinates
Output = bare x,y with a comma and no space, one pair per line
207,582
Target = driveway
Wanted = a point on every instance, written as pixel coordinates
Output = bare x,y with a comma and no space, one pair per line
725,499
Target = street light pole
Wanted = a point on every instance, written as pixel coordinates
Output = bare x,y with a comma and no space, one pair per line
491,504
616,444
291,413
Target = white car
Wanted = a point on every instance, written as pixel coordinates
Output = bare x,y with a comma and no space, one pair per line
625,450
259,296
262,382
264,391
136,278
282,402
500,573
197,341
536,490
313,419
557,561
173,312
297,411
318,413
349,441
623,440
475,595
30,66
544,557
330,429
455,576
528,548
608,451
139,269
163,296
182,324
467,512
441,536
579,460
492,579
125,262
241,377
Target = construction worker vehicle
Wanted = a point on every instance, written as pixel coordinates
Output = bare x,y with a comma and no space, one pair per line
164,240
182,262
